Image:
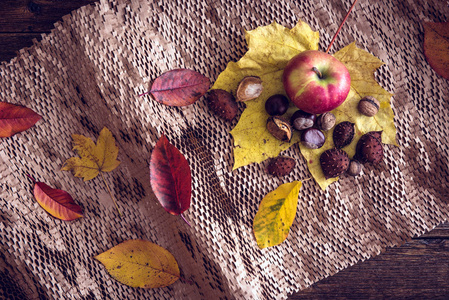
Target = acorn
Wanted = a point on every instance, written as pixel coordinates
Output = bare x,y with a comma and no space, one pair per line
222,103
249,88
368,106
281,166
334,162
326,121
369,149
279,128
343,134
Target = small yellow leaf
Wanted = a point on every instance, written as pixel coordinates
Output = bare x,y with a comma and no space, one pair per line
93,159
139,263
269,49
276,214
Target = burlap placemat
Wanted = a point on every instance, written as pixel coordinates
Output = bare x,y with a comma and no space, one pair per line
87,74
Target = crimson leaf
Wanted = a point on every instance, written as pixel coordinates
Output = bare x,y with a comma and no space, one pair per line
170,177
179,87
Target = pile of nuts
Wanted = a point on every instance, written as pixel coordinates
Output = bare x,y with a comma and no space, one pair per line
334,162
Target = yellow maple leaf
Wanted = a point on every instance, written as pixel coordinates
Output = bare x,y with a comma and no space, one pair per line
139,263
269,50
276,214
94,158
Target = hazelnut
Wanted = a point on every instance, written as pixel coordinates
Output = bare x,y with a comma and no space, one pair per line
326,121
249,88
354,168
368,106
301,120
279,128
334,162
343,134
222,103
281,166
277,105
369,149
313,138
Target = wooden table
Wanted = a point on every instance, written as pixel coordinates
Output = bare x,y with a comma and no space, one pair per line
418,269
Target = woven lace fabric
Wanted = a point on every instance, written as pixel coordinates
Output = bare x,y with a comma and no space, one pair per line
87,74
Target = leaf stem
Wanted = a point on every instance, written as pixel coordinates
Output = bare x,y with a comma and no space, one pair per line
146,93
29,176
185,220
110,193
341,25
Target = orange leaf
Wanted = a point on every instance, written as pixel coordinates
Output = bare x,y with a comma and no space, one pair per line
15,119
57,203
436,47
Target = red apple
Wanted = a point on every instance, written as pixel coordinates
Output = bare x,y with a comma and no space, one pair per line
316,82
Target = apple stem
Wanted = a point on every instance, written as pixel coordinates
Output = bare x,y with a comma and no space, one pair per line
320,75
341,25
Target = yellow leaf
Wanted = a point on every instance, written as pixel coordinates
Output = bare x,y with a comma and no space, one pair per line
269,49
276,214
93,159
139,263
361,66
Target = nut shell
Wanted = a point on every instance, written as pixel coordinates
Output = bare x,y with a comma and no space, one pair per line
343,134
334,162
281,166
301,120
355,168
369,149
279,128
222,103
326,121
368,106
249,88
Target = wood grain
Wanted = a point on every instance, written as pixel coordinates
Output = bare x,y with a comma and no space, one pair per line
22,21
417,270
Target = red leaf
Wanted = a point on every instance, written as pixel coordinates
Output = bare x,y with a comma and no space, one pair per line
436,47
179,87
15,119
57,203
170,177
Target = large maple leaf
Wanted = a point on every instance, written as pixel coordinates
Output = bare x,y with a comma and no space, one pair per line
269,49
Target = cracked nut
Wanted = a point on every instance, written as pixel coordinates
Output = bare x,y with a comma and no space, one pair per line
249,88
279,128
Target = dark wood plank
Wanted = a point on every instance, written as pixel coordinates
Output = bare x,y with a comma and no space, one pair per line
22,21
417,270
